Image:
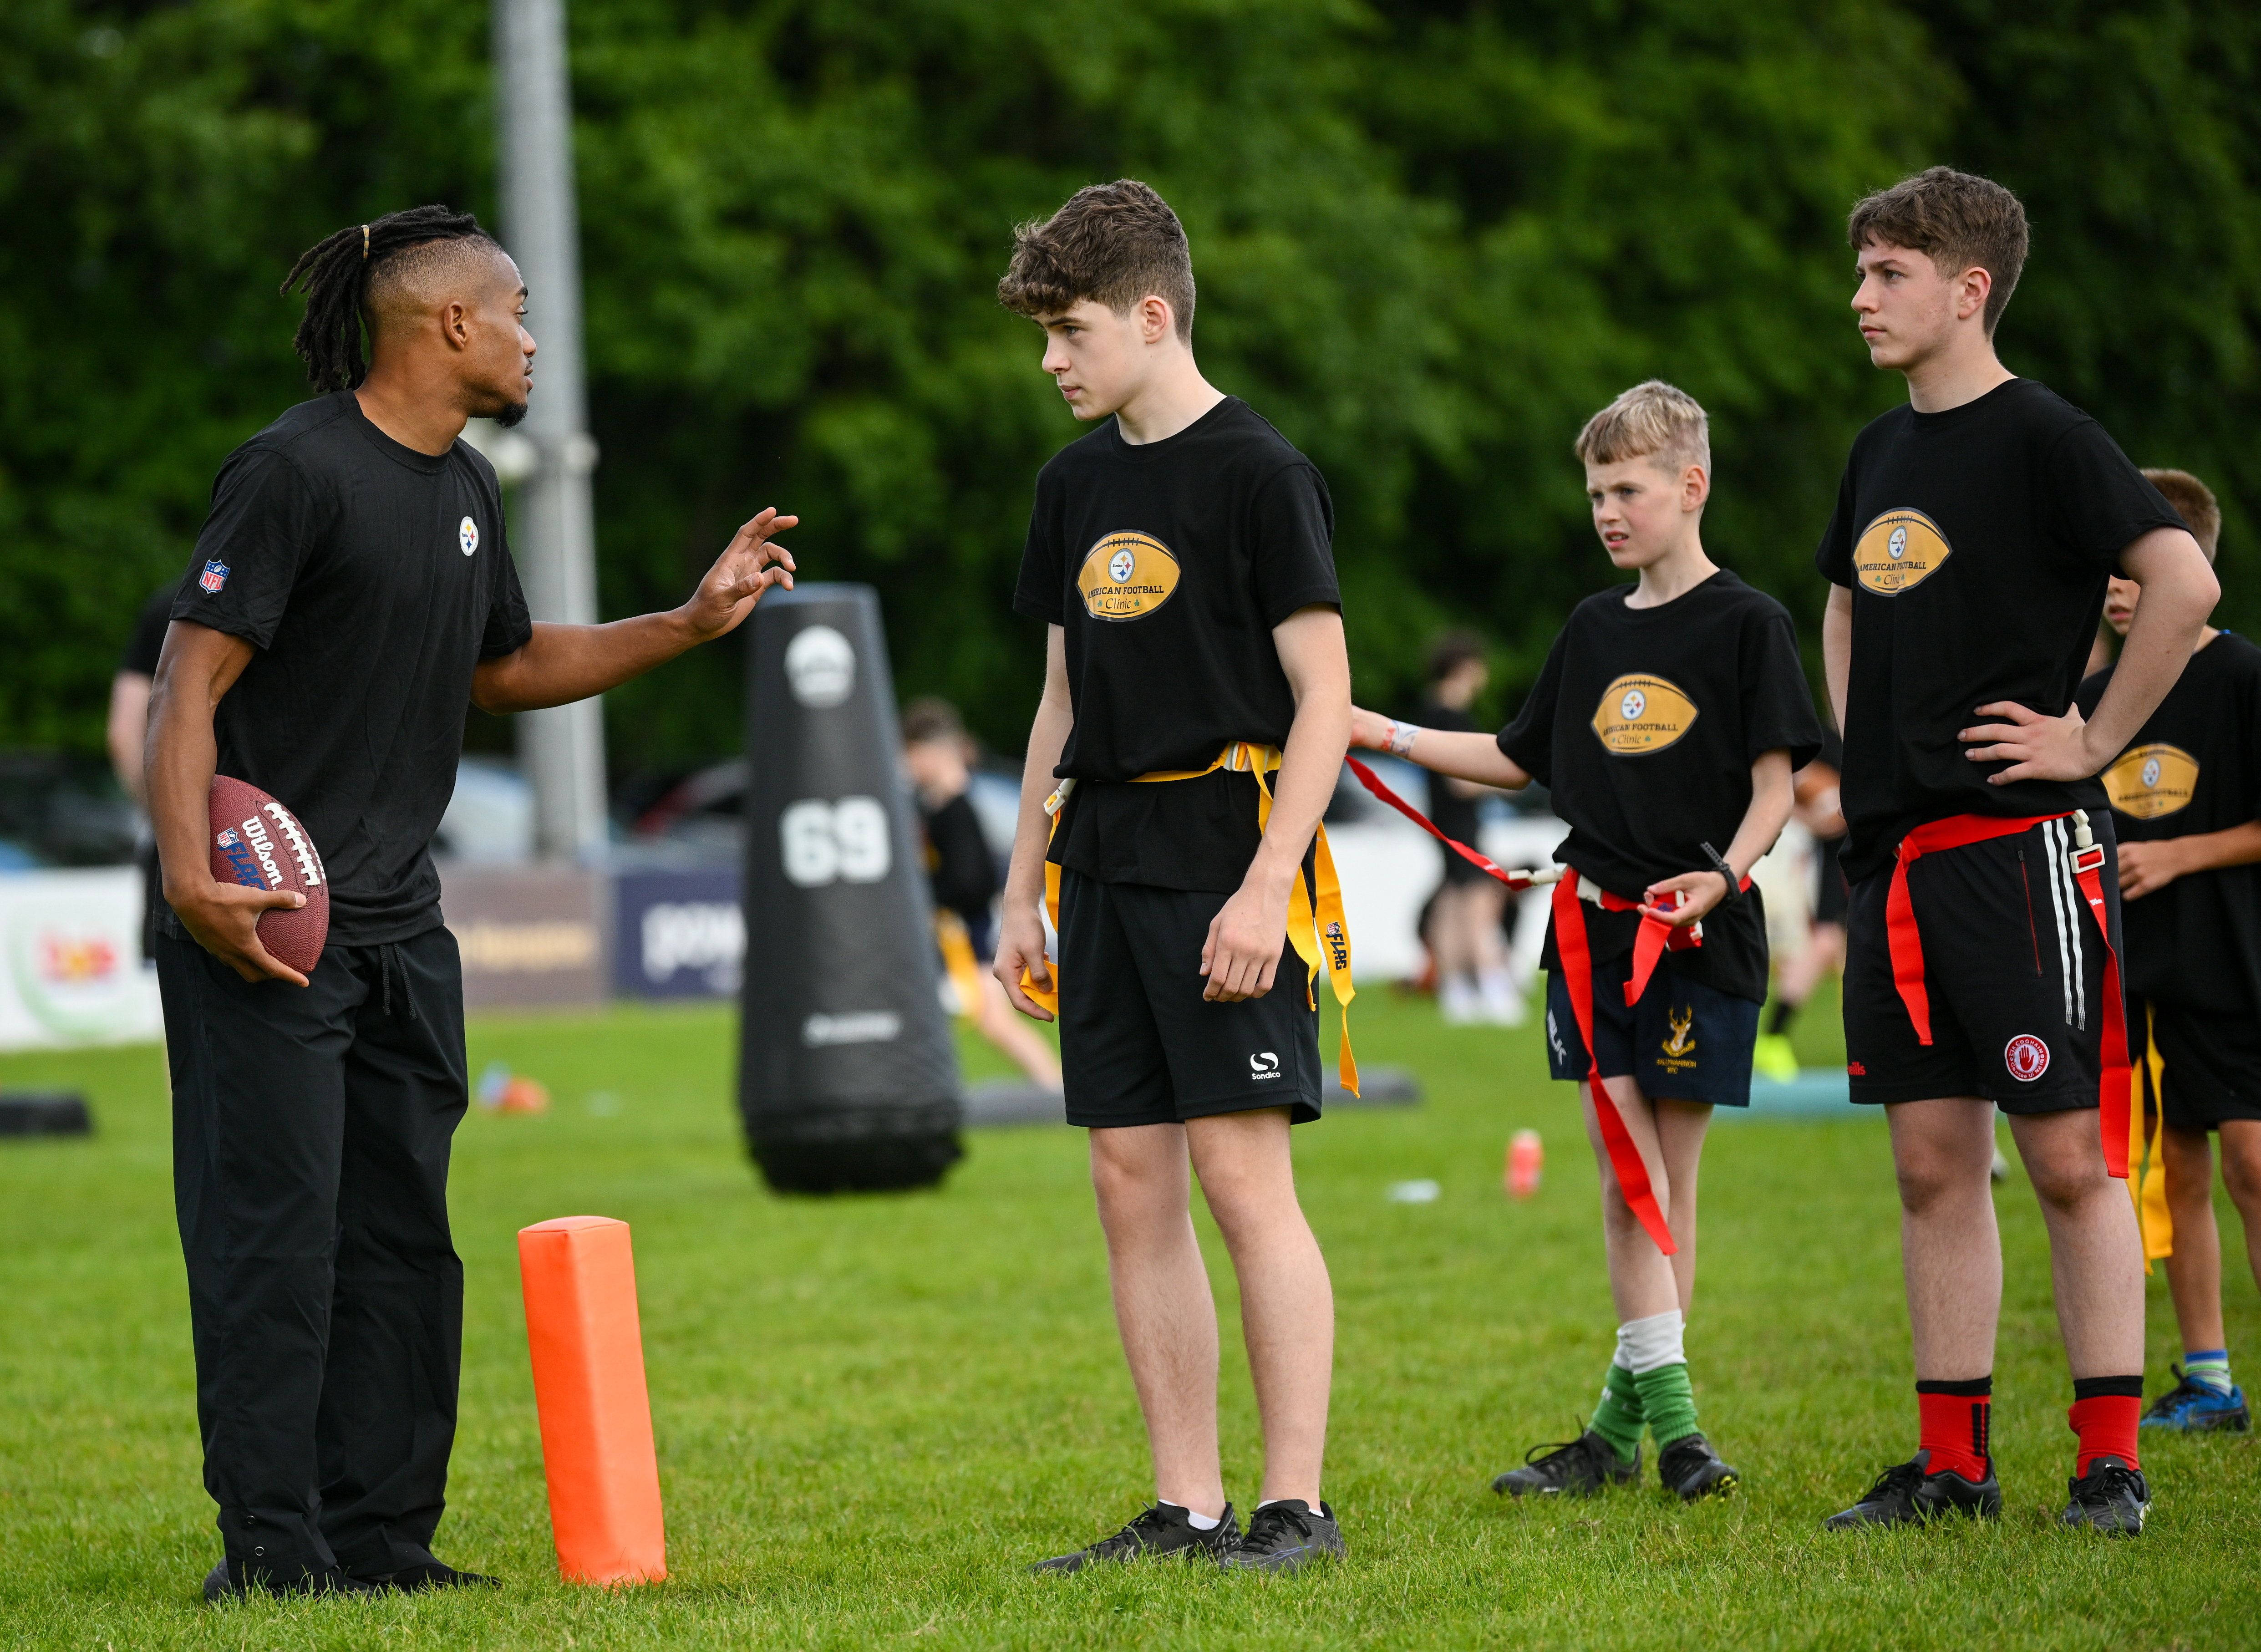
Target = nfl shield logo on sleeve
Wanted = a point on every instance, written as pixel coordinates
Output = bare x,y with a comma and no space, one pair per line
214,576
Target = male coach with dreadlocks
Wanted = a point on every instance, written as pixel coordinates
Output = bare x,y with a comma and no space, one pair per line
352,592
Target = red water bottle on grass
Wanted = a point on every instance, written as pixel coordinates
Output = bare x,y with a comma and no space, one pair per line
1524,1155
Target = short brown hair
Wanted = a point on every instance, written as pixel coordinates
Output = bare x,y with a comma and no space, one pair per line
1653,420
931,721
2194,502
1113,243
1956,220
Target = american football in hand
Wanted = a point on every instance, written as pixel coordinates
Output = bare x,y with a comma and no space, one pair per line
259,844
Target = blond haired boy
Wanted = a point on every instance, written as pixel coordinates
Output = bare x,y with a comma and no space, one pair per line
1667,722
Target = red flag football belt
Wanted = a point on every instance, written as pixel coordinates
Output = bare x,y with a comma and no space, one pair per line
2086,863
1654,939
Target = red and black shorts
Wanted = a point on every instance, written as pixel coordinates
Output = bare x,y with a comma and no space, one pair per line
2014,970
2209,1062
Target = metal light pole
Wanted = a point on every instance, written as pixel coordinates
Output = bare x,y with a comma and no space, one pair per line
564,748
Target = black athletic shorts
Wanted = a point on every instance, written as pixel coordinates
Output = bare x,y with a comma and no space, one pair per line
1685,1041
1140,1045
2209,1063
2014,973
1830,897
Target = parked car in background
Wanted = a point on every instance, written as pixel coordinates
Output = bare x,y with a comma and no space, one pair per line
57,809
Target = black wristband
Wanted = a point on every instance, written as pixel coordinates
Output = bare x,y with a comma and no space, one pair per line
1719,864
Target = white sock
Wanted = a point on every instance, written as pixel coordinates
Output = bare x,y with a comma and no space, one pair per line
1199,1522
1502,1003
1457,995
1269,1502
1646,1344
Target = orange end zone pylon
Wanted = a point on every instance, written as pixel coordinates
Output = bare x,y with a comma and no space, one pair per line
587,1347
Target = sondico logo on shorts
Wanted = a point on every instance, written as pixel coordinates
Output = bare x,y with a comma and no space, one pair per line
1640,714
1264,1063
1898,551
2152,780
1127,577
2027,1057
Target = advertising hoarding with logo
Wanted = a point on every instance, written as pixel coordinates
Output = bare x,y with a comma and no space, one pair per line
677,934
529,934
70,960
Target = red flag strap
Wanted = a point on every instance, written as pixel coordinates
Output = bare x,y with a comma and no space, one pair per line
1578,975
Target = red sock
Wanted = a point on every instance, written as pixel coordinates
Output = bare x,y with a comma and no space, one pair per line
1957,1422
2104,1413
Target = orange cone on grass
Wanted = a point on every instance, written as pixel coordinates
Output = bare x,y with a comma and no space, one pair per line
587,1348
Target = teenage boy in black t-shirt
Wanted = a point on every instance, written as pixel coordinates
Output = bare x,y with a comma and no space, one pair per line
2186,795
1180,556
1667,720
351,596
1973,534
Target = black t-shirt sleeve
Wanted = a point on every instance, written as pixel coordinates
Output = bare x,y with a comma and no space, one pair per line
264,518
1041,586
2101,502
965,877
1291,547
1777,702
509,627
148,642
1528,742
1834,556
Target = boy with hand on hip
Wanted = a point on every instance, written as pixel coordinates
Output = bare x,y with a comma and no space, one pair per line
2184,797
1195,710
1976,529
1667,720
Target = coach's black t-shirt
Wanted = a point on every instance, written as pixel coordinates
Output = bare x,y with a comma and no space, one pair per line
147,645
1167,565
2195,767
1976,543
372,579
1644,724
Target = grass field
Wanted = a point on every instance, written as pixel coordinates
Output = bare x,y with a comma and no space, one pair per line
870,1412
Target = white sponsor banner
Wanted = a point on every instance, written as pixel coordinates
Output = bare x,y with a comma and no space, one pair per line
70,960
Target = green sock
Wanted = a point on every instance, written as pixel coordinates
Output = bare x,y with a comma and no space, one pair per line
1668,1402
1619,1418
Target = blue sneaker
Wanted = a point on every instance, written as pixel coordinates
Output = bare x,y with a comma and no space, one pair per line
2193,1408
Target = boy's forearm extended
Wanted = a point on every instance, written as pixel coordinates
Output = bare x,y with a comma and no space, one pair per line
1458,754
2179,591
1837,650
2211,851
1772,795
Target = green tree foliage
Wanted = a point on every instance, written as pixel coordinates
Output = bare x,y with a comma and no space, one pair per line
1431,236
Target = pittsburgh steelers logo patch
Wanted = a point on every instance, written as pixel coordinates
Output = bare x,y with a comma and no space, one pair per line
2152,780
1639,715
1127,577
467,536
1898,551
2027,1057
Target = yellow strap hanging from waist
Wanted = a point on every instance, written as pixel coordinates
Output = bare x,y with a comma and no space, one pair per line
1318,929
2147,1171
958,960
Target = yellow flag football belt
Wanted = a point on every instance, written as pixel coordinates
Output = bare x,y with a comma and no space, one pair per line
1317,929
2147,1172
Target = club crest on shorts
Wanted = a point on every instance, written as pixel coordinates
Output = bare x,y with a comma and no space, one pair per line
467,536
213,577
2152,780
2027,1057
1640,714
1898,551
1126,577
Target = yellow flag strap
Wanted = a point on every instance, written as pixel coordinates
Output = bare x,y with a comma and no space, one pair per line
1317,927
958,959
2147,1172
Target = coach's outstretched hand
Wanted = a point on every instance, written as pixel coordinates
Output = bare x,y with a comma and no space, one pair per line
748,565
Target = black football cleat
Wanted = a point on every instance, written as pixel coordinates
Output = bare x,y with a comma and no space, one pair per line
1287,1536
1583,1468
232,1580
1160,1531
1905,1495
1691,1469
437,1575
2111,1497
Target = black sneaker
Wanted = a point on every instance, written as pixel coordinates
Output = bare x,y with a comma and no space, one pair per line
1581,1469
230,1580
1161,1530
1287,1536
1905,1495
1690,1467
2111,1497
437,1575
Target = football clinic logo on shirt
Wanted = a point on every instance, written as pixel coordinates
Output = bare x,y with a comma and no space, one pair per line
1640,714
1127,577
1898,551
2152,780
